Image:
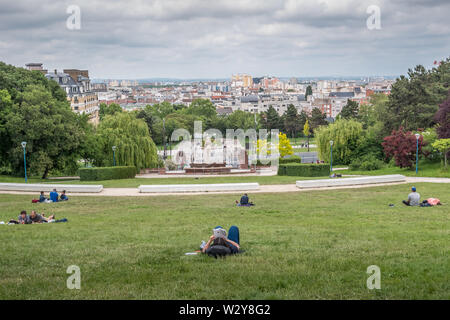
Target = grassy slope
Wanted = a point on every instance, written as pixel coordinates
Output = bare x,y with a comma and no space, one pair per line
314,245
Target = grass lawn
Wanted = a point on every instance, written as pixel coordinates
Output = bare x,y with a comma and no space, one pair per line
305,150
134,183
426,169
314,245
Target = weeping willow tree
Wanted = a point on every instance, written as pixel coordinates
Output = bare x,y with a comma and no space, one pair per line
347,136
134,145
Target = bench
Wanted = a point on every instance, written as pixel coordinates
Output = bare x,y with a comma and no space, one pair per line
29,187
180,188
396,178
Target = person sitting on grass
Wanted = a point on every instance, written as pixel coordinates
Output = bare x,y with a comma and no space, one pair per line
63,196
54,196
42,197
22,219
221,245
413,198
37,218
245,202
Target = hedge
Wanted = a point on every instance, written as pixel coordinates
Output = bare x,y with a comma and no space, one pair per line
304,170
107,173
293,159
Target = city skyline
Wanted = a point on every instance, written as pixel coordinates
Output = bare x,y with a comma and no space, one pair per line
196,39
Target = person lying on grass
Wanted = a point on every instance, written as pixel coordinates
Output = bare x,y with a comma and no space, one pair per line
245,201
37,218
221,245
22,219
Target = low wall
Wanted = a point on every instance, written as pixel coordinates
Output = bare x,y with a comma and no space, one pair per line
337,182
180,188
29,187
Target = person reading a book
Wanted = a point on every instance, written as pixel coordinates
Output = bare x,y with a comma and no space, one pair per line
221,245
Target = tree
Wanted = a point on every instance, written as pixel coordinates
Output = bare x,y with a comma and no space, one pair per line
273,120
241,120
132,138
148,116
32,108
306,131
370,114
443,146
401,146
308,92
292,121
202,108
317,119
51,130
414,100
110,109
347,136
442,117
284,146
350,110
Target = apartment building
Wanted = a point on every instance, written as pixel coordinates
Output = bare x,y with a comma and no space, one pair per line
77,85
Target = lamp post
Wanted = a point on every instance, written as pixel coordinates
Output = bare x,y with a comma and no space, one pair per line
114,148
331,156
417,152
164,139
24,145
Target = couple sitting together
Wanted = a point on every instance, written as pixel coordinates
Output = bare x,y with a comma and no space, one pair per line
414,200
220,245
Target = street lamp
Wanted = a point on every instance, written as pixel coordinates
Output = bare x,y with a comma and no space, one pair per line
114,148
164,139
331,156
417,152
24,145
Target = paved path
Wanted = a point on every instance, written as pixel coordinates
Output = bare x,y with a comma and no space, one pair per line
283,188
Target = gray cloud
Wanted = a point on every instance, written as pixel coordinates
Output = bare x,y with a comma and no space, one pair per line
203,38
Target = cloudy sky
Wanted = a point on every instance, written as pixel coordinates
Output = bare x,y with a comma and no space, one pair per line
214,38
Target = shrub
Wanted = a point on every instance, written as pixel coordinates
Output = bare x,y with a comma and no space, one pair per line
401,146
293,159
372,164
367,163
170,165
304,170
106,173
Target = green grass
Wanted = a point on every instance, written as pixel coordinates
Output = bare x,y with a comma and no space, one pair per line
134,183
305,149
314,245
426,169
